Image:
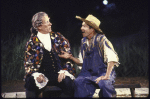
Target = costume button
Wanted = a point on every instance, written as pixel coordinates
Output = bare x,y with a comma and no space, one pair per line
44,69
53,65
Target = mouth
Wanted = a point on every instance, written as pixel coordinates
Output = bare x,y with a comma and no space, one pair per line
82,32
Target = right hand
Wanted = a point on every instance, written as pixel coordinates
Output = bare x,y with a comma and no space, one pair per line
40,79
65,55
61,76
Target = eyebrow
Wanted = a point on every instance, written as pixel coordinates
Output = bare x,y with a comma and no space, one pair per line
84,25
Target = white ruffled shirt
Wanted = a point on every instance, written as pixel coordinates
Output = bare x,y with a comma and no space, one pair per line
45,39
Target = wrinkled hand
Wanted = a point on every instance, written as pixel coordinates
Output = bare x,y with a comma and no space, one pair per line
61,76
40,79
65,55
101,78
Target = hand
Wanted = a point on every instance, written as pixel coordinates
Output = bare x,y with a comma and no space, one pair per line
65,55
102,78
40,79
61,76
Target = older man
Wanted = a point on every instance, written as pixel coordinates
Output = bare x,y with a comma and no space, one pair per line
97,57
42,65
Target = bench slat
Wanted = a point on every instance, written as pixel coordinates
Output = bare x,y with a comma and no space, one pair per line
127,86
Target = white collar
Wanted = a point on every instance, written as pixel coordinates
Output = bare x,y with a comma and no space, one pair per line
45,39
41,35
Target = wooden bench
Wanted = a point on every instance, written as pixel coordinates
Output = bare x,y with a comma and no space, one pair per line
54,91
131,85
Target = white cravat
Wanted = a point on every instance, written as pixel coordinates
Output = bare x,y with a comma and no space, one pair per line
45,39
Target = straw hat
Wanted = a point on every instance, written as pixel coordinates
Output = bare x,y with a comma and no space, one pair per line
92,21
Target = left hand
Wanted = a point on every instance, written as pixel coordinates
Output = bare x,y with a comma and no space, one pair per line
102,78
61,76
40,79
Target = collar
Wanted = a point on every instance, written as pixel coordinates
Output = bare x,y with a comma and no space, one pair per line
43,36
93,37
45,39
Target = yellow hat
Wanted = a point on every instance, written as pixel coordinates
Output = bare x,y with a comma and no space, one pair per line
92,21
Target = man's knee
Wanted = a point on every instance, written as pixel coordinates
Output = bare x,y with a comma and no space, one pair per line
30,94
67,80
30,84
103,84
78,80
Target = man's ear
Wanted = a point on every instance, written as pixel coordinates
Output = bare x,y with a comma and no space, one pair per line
93,30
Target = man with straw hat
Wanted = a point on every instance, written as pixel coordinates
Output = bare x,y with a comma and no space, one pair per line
97,57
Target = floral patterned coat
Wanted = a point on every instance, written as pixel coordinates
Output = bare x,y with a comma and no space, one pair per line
34,53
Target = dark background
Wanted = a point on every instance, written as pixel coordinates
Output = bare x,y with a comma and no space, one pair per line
124,22
119,18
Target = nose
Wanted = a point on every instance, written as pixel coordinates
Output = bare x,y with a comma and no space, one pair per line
50,23
81,28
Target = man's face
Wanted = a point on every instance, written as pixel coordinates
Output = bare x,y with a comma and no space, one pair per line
46,25
86,30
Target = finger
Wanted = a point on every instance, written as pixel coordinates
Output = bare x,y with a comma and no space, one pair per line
97,81
60,77
60,55
59,80
44,80
37,79
64,76
62,51
98,78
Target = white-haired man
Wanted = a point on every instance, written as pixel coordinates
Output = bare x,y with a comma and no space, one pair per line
42,65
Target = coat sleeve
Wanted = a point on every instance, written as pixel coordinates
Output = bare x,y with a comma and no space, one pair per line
31,58
67,64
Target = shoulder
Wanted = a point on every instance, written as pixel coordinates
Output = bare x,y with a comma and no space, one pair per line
101,38
34,40
55,34
83,39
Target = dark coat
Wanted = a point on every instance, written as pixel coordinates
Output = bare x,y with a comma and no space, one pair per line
34,53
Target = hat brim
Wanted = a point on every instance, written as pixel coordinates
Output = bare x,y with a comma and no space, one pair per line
89,23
